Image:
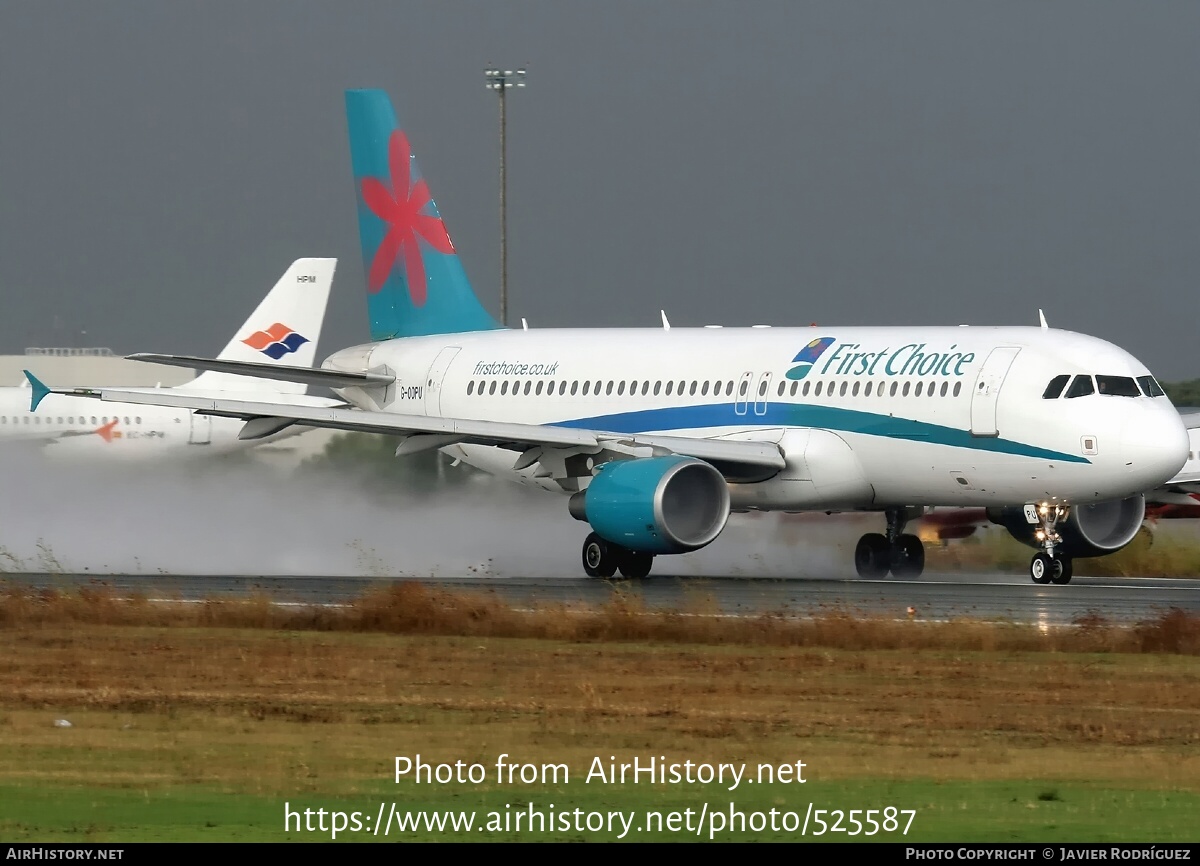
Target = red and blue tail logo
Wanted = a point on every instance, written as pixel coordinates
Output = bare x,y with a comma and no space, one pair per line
276,341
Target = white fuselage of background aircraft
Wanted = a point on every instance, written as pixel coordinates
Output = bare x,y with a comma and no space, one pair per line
882,417
71,426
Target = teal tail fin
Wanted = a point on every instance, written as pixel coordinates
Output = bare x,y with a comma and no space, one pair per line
415,282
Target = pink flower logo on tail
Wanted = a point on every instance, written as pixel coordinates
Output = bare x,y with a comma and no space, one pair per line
399,205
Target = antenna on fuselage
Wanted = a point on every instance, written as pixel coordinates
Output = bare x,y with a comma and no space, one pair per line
524,324
1042,319
666,324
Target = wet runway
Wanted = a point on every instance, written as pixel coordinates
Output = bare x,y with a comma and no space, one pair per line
1005,597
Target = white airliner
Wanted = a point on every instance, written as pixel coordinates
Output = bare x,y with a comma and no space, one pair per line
284,328
656,435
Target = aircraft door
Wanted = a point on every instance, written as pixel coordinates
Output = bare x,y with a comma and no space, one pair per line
987,390
433,382
762,394
201,430
742,395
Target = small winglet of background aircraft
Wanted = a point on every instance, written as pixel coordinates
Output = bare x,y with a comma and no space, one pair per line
285,328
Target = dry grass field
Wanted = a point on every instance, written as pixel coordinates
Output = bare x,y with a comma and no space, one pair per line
992,728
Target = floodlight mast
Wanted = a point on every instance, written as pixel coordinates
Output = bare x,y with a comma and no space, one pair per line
500,81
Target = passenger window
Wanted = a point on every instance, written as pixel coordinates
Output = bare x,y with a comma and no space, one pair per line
1117,386
633,388
817,392
893,389
562,387
905,391
745,387
842,390
596,388
792,390
539,388
621,388
945,387
957,388
504,387
470,387
680,387
492,387
608,389
528,385
917,393
1150,386
782,385
1055,388
806,388
587,386
692,390
574,388
867,390
657,388
137,420
670,388
1081,387
762,388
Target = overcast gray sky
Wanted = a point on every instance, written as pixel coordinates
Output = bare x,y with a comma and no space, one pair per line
161,163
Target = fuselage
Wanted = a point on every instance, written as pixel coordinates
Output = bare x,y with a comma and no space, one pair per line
866,417
78,426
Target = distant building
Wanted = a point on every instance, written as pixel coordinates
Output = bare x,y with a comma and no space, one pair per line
87,368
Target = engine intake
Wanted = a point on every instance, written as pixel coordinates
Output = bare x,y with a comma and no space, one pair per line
655,504
1089,530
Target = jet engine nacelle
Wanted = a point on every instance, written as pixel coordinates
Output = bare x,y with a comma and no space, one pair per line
1088,530
655,504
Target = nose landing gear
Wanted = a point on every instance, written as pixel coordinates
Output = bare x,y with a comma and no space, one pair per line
901,554
1049,566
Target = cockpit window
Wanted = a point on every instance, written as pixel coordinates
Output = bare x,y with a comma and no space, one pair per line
1117,386
1150,386
1055,388
1081,387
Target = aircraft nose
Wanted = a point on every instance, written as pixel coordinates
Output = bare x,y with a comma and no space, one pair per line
1154,444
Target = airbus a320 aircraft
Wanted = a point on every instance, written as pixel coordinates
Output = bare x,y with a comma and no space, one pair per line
284,328
656,435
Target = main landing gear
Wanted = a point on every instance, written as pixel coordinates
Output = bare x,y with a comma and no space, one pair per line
901,554
1049,566
603,559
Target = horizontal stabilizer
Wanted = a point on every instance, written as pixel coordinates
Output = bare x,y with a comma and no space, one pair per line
278,372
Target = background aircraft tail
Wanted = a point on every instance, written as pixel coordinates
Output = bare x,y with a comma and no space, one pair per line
284,329
416,284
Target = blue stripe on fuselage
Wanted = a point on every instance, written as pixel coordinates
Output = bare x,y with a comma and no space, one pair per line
821,417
